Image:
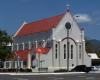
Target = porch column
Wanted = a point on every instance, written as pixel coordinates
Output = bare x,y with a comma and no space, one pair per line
23,45
5,65
21,66
29,45
36,45
29,61
12,48
44,43
37,55
83,45
77,54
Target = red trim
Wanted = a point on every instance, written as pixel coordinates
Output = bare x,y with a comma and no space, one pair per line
42,50
23,54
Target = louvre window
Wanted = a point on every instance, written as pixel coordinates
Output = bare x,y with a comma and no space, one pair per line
80,49
56,46
26,46
71,51
64,51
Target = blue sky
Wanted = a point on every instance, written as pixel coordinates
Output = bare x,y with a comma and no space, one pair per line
14,12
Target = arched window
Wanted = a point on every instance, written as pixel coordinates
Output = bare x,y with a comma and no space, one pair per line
71,51
56,47
64,51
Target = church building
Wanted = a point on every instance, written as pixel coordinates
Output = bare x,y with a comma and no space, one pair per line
51,44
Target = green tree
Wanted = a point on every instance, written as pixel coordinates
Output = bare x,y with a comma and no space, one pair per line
98,53
5,39
89,47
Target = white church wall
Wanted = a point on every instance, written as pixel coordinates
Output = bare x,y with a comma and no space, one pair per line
72,61
75,33
60,31
46,60
87,59
56,54
63,63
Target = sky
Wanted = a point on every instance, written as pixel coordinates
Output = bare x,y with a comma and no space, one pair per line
14,12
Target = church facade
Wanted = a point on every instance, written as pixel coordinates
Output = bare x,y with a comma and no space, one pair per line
53,43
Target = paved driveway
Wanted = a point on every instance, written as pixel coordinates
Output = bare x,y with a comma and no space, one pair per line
85,76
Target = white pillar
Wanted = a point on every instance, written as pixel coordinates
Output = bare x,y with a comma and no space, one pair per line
29,43
15,64
18,62
23,45
83,45
83,51
21,66
12,48
53,53
36,45
77,56
29,61
9,62
44,43
5,65
37,55
77,53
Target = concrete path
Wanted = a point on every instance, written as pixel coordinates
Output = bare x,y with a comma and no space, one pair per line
41,73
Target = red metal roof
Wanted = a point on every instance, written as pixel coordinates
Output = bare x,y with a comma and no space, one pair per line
42,50
23,54
40,26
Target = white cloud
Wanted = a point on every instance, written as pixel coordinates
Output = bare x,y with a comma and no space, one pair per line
82,18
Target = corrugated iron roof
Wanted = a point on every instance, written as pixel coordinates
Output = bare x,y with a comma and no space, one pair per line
40,26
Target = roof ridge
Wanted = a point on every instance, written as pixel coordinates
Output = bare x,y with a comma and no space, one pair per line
46,18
